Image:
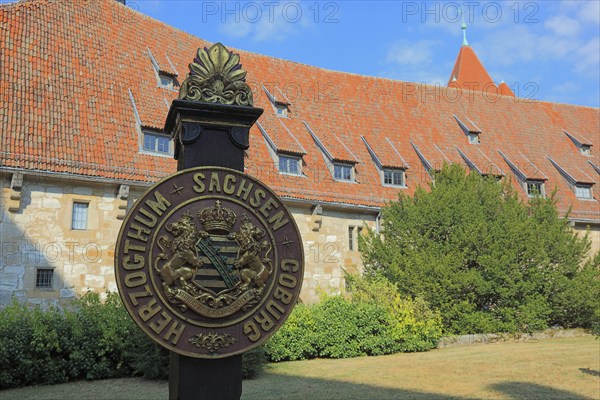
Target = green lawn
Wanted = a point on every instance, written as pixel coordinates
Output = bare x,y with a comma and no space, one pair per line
566,368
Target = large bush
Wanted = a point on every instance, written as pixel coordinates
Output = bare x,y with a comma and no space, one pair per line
375,320
486,260
93,340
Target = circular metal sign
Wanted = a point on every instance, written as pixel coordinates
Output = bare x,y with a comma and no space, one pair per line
209,262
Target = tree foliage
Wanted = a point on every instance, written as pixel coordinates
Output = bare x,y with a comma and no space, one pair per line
485,259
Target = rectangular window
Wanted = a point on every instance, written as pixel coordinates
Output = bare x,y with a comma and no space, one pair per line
351,238
165,81
393,177
586,150
342,172
281,110
583,191
289,165
473,138
43,278
535,188
80,216
156,143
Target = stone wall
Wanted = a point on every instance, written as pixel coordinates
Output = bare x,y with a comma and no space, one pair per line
326,248
490,338
36,234
39,236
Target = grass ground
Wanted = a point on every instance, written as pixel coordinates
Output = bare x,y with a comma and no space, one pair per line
566,368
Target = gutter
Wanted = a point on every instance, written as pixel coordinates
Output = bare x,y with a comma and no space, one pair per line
293,200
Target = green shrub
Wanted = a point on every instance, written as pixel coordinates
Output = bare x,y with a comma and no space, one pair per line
346,329
102,332
413,326
93,340
295,339
375,320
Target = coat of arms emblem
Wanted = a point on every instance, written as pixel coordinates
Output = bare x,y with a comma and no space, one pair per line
209,262
213,270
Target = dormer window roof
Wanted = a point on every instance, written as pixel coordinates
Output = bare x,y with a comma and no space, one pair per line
283,147
335,150
580,182
385,154
529,175
338,157
428,167
391,165
279,137
584,145
280,105
470,129
166,73
477,161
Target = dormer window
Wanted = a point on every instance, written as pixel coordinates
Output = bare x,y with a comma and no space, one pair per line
164,69
535,188
393,177
342,172
289,165
583,144
166,81
585,149
473,138
281,110
157,143
470,129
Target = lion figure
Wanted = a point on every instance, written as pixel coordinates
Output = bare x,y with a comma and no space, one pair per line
254,270
184,261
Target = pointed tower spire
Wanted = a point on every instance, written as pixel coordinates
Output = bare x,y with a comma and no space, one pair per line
464,29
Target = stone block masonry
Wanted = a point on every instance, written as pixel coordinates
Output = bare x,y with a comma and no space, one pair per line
39,236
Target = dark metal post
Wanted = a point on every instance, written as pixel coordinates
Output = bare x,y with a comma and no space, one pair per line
208,134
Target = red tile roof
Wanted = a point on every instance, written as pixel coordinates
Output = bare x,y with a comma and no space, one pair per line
68,67
477,159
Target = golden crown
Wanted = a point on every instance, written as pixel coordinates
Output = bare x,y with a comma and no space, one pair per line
217,219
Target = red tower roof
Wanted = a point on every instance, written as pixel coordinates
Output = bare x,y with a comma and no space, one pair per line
468,72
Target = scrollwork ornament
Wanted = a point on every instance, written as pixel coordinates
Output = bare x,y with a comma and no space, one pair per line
212,341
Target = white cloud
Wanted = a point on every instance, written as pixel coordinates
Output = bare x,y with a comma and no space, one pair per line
587,60
404,52
519,44
414,62
563,25
236,29
590,12
276,22
566,88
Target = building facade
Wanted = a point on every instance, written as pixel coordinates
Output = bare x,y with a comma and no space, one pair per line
86,87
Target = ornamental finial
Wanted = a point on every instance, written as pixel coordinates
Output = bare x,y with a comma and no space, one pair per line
216,76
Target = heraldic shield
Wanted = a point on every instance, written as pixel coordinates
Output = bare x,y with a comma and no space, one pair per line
207,266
